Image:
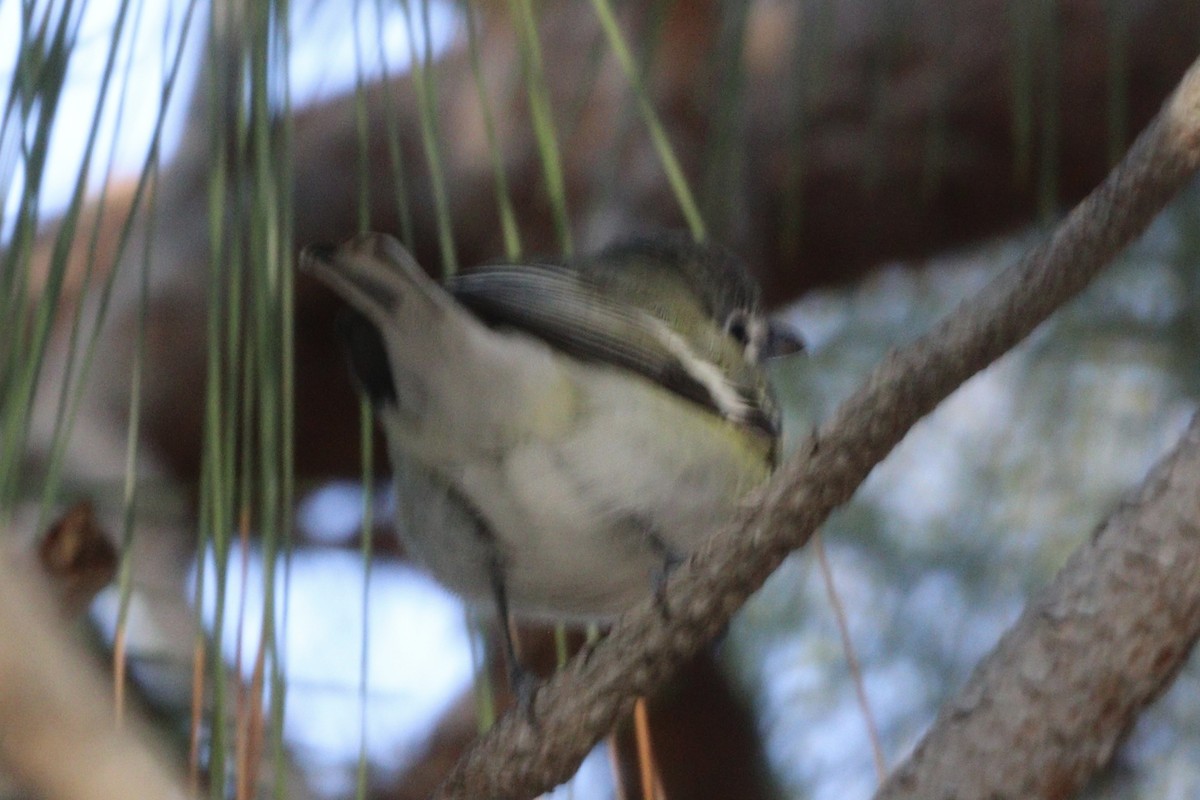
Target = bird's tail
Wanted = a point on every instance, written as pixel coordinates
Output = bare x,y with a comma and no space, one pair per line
377,276
414,346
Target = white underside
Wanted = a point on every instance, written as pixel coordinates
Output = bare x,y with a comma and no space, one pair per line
575,473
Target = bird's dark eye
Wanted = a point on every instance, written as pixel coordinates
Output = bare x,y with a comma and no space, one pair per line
736,327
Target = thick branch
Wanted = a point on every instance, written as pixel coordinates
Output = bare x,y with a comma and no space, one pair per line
1064,685
583,701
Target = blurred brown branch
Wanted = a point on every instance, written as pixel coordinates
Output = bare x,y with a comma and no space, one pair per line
834,137
58,729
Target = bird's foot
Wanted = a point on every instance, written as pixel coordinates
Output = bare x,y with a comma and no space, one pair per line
524,685
661,577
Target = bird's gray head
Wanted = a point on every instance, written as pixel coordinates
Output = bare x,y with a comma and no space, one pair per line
718,279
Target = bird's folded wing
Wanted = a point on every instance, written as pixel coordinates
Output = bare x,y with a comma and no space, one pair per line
558,306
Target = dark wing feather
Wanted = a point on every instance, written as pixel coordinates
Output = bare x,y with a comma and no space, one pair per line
368,356
555,305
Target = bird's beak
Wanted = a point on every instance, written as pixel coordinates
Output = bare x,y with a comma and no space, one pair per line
781,341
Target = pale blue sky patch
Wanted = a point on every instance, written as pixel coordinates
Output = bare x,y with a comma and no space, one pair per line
419,659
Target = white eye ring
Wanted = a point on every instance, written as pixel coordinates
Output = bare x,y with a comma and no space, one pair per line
737,327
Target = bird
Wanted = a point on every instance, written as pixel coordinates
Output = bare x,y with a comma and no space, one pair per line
561,432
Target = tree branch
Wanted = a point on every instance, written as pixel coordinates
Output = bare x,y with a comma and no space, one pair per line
522,757
1051,702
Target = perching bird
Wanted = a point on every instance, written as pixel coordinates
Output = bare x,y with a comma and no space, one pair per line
562,433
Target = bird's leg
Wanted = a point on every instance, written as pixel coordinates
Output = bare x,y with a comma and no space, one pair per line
670,560
523,683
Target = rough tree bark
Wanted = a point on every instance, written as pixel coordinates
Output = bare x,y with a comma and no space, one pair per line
1054,699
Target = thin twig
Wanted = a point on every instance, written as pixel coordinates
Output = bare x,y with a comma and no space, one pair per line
852,662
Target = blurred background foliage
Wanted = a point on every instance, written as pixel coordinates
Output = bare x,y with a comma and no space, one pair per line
873,162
